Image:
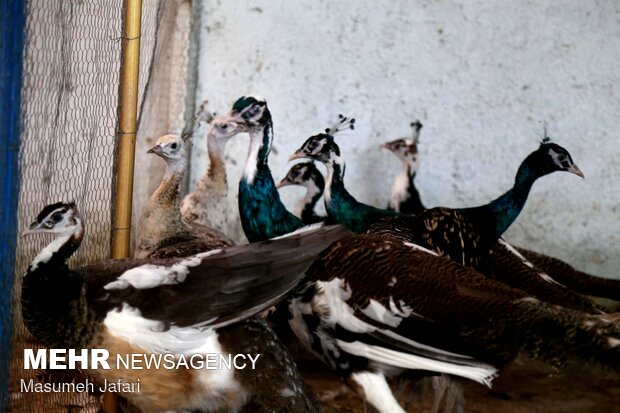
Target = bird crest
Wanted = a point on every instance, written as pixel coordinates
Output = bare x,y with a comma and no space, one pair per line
342,123
546,138
416,126
202,116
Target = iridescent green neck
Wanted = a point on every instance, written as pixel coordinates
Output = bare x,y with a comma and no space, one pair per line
262,214
496,217
342,207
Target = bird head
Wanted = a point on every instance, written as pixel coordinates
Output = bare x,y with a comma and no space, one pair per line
169,147
250,112
303,174
551,157
322,147
319,147
223,128
61,218
406,148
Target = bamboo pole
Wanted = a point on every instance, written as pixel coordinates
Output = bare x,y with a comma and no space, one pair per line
128,111
128,121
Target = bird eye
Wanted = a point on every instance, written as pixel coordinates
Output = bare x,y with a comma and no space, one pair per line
57,217
251,112
224,126
562,157
174,145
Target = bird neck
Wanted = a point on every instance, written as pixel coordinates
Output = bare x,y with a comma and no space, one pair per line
403,185
161,218
53,305
167,193
216,174
339,203
305,206
262,213
258,153
500,213
334,181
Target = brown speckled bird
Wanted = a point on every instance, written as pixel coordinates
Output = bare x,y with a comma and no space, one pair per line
207,205
542,276
467,234
374,308
572,278
161,232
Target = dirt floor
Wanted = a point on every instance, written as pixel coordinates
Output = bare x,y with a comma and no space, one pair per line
520,388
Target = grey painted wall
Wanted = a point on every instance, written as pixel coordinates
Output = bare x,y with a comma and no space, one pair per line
481,75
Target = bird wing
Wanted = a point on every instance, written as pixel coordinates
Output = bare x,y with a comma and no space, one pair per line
212,289
507,265
400,305
572,278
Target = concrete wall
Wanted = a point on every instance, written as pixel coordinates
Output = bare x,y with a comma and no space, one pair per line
481,75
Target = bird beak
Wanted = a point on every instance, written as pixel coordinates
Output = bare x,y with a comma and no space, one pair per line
232,116
238,121
155,149
384,146
298,154
574,169
32,229
282,182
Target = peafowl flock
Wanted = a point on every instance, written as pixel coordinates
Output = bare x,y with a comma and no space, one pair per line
464,235
412,292
251,335
181,306
505,262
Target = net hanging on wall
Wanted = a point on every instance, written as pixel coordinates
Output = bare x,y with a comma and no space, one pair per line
71,67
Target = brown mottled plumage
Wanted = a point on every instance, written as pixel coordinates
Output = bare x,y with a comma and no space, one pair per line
276,385
572,278
443,230
278,366
387,300
161,232
505,264
466,234
562,284
500,264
